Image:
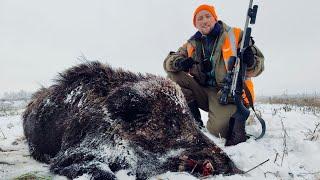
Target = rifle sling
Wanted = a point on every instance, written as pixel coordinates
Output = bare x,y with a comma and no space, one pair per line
262,122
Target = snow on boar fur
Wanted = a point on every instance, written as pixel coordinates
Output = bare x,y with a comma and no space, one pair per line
97,120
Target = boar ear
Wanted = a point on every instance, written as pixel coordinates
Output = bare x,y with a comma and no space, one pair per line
128,104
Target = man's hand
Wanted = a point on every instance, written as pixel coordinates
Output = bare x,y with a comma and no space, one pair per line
248,56
185,63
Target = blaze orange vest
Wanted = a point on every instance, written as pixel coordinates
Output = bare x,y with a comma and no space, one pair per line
229,48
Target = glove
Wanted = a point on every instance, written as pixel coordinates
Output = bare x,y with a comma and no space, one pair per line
206,65
248,56
185,64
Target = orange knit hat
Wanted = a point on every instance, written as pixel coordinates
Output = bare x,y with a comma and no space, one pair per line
209,8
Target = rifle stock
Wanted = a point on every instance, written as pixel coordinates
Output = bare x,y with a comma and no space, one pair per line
237,132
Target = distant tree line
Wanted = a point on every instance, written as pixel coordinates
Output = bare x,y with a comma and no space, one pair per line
16,96
299,99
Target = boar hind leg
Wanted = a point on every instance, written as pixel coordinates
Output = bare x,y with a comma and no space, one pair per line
74,164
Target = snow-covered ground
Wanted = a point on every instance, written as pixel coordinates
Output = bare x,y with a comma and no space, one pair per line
288,144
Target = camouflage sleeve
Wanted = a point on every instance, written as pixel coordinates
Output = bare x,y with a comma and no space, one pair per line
169,62
258,66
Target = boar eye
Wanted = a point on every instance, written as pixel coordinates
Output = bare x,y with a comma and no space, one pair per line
127,104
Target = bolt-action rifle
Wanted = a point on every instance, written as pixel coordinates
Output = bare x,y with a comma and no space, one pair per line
236,73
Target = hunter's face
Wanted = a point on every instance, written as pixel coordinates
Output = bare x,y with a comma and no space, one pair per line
205,22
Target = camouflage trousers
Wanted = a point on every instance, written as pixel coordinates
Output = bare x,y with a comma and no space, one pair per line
206,97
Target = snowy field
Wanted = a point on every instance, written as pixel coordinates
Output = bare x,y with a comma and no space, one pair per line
291,143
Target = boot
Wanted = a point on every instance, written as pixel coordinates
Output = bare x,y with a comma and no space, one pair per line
193,105
236,133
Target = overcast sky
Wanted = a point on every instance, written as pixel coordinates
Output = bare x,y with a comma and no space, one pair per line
39,38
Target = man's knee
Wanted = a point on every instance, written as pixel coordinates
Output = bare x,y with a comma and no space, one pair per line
190,88
181,78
